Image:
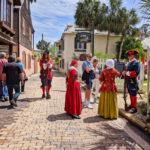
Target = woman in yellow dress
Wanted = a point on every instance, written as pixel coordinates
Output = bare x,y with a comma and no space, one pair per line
108,106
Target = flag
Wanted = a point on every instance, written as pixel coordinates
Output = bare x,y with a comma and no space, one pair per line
143,62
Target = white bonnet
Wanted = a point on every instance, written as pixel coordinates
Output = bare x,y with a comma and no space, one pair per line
110,63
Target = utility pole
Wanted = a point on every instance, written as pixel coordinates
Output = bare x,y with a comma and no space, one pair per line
93,38
148,88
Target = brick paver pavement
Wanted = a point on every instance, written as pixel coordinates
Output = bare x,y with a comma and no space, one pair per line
43,125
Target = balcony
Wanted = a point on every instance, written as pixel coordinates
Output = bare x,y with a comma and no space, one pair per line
5,28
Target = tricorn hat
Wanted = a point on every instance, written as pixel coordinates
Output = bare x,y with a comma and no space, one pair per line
132,52
46,52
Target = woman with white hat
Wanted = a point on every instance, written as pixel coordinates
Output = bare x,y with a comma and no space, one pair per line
108,107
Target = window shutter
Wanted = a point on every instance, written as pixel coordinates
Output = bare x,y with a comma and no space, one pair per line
75,43
84,45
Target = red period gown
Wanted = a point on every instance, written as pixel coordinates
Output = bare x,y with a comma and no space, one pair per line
73,94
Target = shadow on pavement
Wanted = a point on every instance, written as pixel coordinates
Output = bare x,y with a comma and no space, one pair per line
57,74
94,119
6,107
29,99
63,91
111,138
63,116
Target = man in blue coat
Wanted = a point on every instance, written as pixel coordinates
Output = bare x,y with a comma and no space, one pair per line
133,70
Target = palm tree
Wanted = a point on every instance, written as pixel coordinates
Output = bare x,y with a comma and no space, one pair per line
32,1
110,19
128,19
145,8
86,12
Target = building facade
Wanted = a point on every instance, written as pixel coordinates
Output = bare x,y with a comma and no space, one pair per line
24,35
16,31
70,47
7,31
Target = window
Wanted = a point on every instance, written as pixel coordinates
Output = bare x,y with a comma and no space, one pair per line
8,19
80,46
27,4
5,12
29,61
30,34
23,26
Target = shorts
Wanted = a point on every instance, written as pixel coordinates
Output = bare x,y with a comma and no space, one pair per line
132,92
44,82
89,85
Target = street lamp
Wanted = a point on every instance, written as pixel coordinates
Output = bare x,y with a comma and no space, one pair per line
93,38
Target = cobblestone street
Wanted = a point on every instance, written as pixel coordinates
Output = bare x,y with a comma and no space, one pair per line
43,125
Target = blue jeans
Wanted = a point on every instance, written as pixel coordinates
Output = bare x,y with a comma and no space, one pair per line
3,90
16,87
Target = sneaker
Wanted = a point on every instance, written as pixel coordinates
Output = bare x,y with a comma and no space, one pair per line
13,103
96,101
85,104
43,96
90,106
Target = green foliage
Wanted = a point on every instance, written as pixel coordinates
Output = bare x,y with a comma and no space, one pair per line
129,44
142,108
43,45
145,8
86,12
104,56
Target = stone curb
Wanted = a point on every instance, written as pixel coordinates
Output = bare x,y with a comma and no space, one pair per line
145,127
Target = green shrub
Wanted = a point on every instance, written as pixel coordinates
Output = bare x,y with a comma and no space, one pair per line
129,44
104,56
142,108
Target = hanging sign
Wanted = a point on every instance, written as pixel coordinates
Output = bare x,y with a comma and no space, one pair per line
83,37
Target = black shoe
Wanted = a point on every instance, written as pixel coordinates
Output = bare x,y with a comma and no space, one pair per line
48,97
43,96
133,110
76,116
130,107
6,99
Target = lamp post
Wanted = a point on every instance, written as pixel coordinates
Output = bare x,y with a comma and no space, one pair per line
93,38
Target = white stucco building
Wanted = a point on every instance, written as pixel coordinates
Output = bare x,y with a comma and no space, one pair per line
69,46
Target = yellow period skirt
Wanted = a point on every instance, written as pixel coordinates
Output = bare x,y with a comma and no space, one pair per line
108,106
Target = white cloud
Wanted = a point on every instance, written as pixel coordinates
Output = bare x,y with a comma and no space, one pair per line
51,16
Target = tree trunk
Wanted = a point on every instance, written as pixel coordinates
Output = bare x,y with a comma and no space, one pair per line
107,44
121,47
148,88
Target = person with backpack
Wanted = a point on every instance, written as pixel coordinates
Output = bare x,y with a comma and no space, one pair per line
88,76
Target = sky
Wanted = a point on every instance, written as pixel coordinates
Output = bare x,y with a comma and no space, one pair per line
50,17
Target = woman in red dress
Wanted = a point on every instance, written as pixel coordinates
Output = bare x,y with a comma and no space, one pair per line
73,94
